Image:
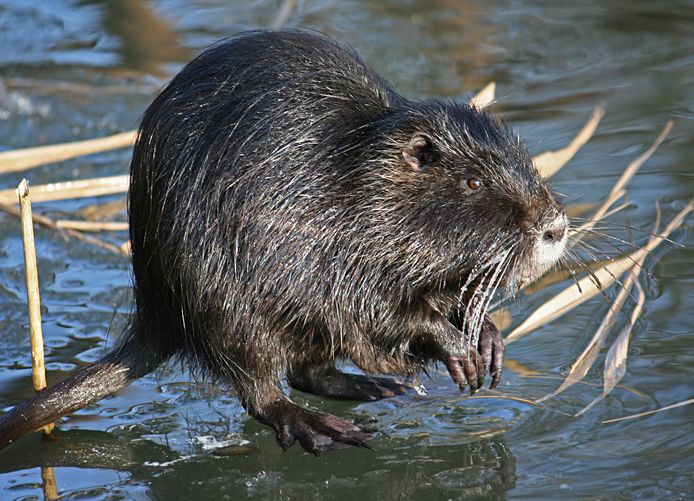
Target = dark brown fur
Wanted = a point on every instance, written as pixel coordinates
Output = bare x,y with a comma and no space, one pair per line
289,209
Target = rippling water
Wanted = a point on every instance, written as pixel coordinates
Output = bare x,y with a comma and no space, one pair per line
81,69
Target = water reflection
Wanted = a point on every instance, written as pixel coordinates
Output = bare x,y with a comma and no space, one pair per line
147,40
483,469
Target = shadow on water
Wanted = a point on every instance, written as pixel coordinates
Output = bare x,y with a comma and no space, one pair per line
484,469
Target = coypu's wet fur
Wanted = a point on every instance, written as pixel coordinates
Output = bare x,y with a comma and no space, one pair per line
288,209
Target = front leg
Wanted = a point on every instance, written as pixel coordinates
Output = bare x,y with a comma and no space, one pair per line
491,348
438,338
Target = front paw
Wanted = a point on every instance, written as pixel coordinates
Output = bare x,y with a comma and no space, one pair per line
491,348
466,370
488,358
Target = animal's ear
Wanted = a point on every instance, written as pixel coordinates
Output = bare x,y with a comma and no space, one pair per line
418,152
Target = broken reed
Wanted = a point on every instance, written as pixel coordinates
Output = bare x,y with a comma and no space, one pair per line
38,368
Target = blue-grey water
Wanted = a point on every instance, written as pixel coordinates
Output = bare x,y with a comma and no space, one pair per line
74,70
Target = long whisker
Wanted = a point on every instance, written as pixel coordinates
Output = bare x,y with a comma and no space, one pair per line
619,226
488,293
577,259
600,287
568,266
602,234
587,249
586,246
491,273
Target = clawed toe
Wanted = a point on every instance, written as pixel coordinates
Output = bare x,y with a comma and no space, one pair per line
314,431
469,369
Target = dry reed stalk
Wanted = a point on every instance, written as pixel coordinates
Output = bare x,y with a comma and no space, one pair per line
26,158
78,188
619,188
283,15
103,210
38,368
616,359
519,368
586,359
49,223
92,225
648,413
50,486
571,297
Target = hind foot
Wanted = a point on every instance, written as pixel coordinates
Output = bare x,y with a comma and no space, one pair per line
329,382
314,431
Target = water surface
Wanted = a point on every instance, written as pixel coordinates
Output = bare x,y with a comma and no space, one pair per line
81,69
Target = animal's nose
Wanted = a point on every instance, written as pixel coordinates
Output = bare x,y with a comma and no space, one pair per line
555,233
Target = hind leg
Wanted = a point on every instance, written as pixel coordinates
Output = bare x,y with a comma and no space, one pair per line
325,380
315,431
262,396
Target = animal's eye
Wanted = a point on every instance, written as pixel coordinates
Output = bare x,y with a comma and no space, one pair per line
473,183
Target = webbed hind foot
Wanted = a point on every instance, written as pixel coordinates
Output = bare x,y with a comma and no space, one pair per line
314,431
327,381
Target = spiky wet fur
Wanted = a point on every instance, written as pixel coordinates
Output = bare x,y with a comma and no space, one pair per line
277,221
273,219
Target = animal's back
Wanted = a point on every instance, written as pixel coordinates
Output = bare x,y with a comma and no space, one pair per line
232,163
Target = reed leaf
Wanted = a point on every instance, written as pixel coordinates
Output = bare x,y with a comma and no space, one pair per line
550,162
619,188
484,97
616,360
585,360
570,297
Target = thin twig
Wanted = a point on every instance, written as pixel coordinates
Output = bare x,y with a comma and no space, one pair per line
648,413
50,486
49,223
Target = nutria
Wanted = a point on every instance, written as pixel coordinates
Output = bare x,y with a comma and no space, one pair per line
289,209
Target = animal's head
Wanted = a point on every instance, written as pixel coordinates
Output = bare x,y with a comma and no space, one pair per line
467,193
